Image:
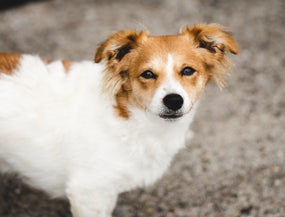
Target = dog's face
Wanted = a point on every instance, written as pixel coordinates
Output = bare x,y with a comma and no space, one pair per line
164,75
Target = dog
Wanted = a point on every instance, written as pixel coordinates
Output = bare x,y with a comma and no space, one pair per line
89,130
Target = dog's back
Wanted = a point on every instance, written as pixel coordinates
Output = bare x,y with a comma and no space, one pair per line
36,115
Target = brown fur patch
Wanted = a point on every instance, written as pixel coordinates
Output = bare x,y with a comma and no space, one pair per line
122,101
213,37
9,62
118,45
66,64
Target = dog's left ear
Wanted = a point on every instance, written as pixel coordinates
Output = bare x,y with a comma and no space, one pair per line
212,37
114,49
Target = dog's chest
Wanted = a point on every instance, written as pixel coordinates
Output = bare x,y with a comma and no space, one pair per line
149,154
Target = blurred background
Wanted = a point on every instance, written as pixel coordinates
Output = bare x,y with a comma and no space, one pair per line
235,165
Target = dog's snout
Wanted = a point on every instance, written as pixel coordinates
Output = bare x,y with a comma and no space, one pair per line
173,101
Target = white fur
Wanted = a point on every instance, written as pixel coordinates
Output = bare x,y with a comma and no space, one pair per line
61,134
169,66
170,86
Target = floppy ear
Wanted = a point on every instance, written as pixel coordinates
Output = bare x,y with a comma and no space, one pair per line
114,51
212,37
118,45
216,41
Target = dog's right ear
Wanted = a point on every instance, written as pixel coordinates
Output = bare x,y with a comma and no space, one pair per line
118,45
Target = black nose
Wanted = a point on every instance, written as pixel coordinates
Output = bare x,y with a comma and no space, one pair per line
173,101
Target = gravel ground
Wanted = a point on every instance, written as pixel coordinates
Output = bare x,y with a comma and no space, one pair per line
234,166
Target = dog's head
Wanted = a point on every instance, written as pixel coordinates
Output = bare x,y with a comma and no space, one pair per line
164,75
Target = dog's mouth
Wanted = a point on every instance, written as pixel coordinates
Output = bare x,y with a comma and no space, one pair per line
171,116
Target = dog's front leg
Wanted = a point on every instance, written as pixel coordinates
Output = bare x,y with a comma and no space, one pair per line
91,199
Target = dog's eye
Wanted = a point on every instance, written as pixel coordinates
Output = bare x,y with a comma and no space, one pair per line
188,71
148,75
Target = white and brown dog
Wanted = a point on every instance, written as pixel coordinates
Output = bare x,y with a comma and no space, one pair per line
88,131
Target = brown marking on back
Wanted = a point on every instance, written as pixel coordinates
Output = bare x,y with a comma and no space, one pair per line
66,64
9,62
45,61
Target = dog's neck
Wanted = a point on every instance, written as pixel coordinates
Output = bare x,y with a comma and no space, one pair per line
143,124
